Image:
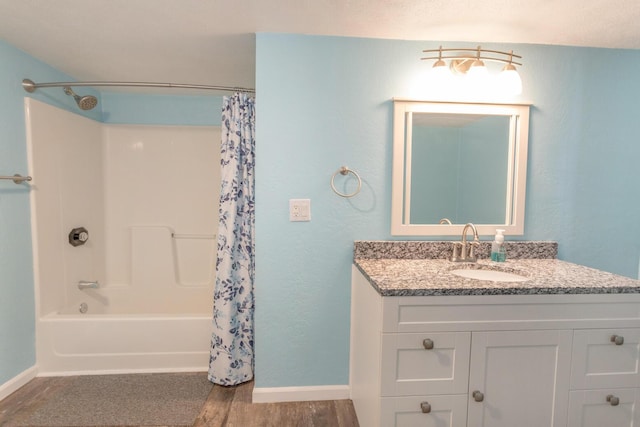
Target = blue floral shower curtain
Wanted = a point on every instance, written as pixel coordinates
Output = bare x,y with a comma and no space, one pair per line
231,361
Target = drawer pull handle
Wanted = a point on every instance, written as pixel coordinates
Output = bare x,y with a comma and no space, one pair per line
428,344
425,407
617,339
613,400
477,396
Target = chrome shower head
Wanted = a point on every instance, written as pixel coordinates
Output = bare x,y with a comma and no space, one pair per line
86,102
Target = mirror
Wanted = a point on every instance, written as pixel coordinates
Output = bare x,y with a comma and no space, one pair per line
455,163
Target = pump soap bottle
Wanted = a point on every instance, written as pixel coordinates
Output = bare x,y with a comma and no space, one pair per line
498,251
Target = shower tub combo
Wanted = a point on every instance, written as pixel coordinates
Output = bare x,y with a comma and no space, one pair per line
124,244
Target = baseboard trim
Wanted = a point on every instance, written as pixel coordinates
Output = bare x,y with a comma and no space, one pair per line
121,371
299,394
18,381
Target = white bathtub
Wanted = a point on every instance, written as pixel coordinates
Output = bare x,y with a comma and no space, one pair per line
151,247
77,344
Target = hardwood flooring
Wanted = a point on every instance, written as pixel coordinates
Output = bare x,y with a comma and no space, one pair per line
224,407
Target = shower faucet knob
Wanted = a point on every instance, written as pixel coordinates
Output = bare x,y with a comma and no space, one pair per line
78,236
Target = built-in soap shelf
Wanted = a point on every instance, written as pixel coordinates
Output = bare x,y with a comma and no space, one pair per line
193,236
159,253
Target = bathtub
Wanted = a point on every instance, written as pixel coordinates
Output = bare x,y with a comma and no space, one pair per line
80,344
151,247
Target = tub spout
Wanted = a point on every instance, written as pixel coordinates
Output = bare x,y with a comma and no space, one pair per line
84,284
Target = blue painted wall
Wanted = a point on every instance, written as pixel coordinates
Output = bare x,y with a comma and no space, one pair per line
324,102
185,110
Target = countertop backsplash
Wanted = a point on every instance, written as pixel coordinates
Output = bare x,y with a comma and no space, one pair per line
381,249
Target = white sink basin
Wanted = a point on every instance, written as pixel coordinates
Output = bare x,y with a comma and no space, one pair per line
490,275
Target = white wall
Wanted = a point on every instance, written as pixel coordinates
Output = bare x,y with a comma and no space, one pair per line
66,165
162,180
131,187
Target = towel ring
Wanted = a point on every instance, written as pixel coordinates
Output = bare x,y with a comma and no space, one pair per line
345,171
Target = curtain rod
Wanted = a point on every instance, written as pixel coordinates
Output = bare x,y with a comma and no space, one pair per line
30,86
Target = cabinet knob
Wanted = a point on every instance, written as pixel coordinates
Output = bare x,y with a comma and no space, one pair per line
477,396
425,407
617,339
613,400
428,344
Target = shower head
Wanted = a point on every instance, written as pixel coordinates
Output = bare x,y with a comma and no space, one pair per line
86,102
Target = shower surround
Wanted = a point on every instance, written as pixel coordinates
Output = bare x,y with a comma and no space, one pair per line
148,196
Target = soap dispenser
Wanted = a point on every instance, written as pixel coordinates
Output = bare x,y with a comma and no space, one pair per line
498,251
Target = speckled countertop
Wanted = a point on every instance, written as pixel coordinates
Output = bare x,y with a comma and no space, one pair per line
421,269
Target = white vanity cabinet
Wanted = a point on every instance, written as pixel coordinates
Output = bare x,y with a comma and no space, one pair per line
493,360
605,378
519,378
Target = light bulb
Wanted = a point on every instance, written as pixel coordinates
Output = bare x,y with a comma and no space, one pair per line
510,80
477,69
477,75
440,71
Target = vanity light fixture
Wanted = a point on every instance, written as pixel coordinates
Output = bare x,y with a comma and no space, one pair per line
470,62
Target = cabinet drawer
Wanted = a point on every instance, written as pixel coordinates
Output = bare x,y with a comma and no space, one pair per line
590,408
410,367
598,362
508,312
444,411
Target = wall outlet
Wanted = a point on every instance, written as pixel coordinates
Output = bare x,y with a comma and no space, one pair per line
299,210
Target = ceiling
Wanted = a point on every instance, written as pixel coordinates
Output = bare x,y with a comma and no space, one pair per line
212,42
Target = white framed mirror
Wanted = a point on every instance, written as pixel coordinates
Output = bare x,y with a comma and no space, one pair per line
455,163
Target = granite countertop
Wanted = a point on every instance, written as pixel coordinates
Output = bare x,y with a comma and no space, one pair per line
413,276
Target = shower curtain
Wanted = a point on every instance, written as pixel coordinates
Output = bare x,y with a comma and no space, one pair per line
231,360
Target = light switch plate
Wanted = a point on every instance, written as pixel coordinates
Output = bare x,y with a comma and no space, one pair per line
299,210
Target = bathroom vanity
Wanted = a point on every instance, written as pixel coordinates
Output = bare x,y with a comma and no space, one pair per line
561,347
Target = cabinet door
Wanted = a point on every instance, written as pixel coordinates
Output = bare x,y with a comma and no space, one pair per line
440,411
426,363
598,408
605,358
522,378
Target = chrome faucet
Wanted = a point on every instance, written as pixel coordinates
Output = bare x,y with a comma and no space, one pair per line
84,284
460,251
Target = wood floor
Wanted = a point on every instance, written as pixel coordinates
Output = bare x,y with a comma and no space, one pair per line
225,407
